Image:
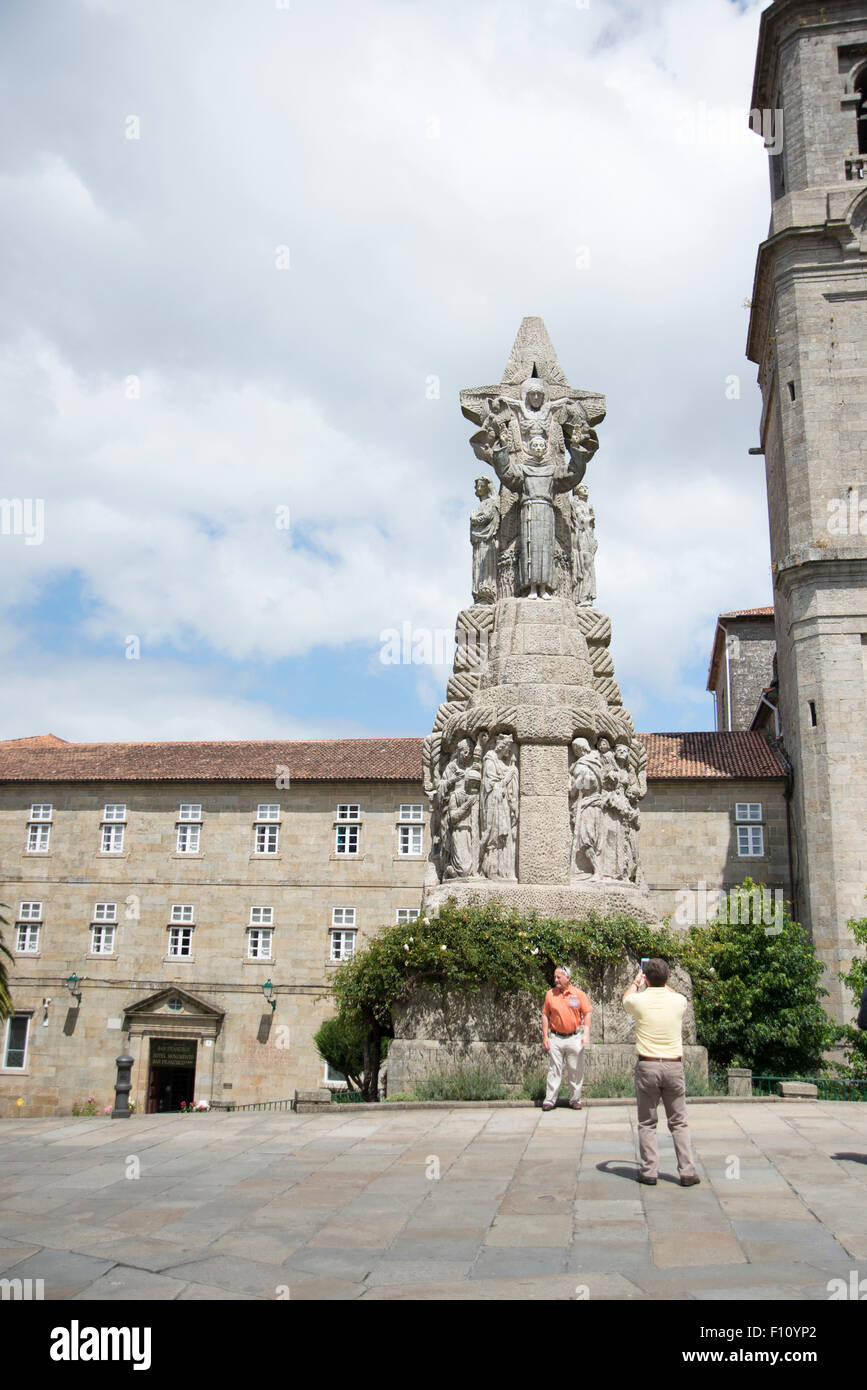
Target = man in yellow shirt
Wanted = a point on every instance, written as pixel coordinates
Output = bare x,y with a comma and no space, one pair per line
658,1013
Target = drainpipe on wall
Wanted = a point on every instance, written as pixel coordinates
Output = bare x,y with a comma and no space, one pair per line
728,678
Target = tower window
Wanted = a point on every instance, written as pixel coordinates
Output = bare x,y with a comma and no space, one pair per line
861,89
811,705
792,391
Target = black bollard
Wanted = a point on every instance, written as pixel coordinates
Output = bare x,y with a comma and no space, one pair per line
122,1088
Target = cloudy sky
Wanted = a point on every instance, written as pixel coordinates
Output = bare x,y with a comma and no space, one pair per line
253,250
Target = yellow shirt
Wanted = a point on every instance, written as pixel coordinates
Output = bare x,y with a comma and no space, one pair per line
658,1014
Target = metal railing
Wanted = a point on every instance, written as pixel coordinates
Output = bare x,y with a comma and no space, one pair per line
828,1087
261,1105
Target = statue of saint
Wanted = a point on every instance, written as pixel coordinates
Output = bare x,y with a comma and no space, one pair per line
584,546
619,816
459,798
585,804
498,809
484,529
528,441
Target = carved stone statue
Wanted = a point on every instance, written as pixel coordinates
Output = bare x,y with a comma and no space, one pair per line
484,530
498,810
585,805
584,546
528,440
620,818
459,798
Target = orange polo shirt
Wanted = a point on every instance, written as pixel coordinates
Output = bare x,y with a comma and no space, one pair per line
562,1016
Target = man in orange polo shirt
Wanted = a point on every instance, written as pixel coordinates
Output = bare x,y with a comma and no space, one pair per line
565,1034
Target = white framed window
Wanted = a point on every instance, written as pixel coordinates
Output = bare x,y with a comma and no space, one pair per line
748,810
188,839
261,916
102,939
342,945
114,811
349,810
37,838
343,916
409,839
411,811
267,838
347,838
333,1075
105,912
407,914
180,941
112,839
40,810
15,1042
259,943
268,810
182,912
27,937
190,810
751,841
30,912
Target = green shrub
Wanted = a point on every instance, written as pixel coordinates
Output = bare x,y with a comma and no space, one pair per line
464,1081
611,1085
757,995
851,1038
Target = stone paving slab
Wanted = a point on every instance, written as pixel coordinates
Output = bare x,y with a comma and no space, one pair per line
526,1206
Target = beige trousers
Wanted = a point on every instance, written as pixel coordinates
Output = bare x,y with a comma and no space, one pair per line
566,1051
654,1082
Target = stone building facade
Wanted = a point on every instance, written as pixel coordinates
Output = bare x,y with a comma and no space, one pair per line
741,665
808,329
154,891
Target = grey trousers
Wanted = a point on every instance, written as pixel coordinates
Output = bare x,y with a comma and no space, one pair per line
568,1051
654,1082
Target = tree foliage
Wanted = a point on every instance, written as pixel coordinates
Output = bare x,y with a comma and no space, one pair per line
852,1039
5,996
468,948
340,1043
757,995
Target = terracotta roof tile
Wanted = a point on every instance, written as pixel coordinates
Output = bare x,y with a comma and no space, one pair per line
46,759
739,754
750,613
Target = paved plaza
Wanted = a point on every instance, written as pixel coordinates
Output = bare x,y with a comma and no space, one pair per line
349,1205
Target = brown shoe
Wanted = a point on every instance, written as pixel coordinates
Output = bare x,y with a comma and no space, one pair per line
575,1105
648,1182
690,1182
546,1105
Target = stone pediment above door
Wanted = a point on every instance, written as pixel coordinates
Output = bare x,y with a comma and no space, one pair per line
173,1005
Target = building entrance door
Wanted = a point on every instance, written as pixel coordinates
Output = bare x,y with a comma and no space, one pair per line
172,1074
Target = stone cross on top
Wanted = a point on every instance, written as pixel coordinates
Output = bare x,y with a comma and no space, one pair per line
538,434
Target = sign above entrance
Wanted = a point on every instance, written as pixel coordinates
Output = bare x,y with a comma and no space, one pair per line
173,1052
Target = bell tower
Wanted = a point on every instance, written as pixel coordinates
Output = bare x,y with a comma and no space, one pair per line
808,337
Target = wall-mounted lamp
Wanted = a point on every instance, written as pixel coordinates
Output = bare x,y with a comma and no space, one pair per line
72,985
268,991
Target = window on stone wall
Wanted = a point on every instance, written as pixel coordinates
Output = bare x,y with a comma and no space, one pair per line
15,1042
861,111
180,942
410,839
102,939
39,828
347,839
188,839
343,916
259,943
751,833
27,928
342,945
407,914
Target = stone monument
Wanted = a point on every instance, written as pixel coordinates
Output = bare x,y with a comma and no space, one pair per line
533,771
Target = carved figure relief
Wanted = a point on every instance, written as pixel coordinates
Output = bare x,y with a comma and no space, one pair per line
498,810
459,799
584,546
484,533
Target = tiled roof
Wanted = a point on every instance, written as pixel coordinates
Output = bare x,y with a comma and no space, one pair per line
732,755
750,613
46,759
